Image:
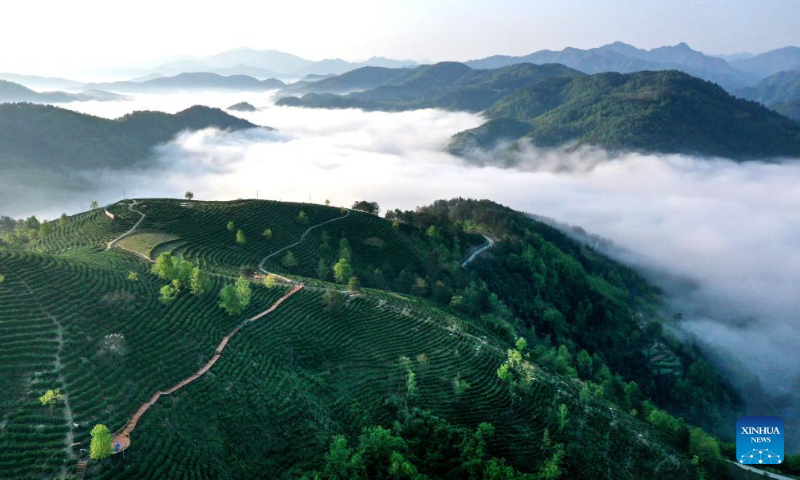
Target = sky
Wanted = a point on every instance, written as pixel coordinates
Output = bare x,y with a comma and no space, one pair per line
56,37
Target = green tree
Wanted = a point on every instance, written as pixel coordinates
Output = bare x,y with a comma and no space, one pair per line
322,269
164,267
188,195
2,278
240,238
100,446
342,271
169,292
234,298
45,230
51,398
133,276
344,250
94,204
267,233
585,365
288,260
63,220
243,291
230,226
270,281
199,282
563,417
302,218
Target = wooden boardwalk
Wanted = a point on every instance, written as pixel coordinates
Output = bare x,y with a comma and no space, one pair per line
122,439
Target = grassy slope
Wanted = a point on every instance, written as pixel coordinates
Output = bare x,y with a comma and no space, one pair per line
287,384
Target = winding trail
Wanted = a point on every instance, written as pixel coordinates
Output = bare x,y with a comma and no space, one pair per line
122,439
302,237
111,244
489,243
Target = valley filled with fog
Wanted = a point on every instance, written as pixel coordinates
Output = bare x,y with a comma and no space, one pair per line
722,237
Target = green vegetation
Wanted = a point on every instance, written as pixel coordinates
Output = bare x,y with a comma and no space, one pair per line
51,398
240,238
550,105
446,85
100,446
400,379
791,109
234,298
78,141
668,111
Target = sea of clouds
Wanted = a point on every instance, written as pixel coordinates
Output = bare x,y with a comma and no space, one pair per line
731,230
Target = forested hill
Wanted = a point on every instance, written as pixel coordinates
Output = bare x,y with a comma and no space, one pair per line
46,137
447,85
542,359
551,105
667,112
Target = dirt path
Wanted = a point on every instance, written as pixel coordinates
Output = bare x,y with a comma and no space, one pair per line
122,437
135,226
69,418
302,237
489,243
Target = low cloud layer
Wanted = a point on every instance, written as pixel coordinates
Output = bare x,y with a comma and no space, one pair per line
732,229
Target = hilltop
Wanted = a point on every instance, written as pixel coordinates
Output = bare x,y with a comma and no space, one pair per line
666,112
12,92
537,357
75,141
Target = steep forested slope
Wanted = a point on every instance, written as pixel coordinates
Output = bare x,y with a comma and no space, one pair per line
44,137
668,112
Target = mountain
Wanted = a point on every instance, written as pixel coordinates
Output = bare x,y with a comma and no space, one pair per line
12,92
43,137
537,360
268,59
667,112
624,58
769,63
193,81
242,107
791,109
447,85
271,63
359,79
43,83
777,88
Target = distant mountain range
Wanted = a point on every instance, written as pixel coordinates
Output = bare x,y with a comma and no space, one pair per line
13,92
551,104
271,63
446,85
192,81
43,137
624,58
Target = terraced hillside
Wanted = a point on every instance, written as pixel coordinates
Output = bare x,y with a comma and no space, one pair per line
286,384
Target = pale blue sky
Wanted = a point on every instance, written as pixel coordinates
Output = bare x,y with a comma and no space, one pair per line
57,36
